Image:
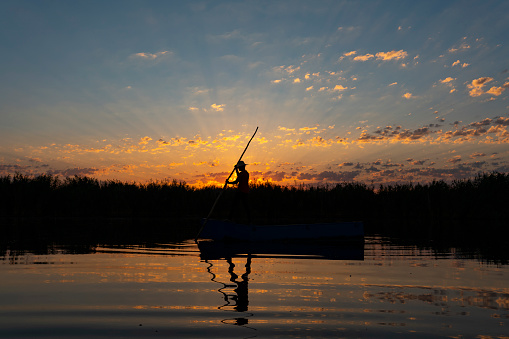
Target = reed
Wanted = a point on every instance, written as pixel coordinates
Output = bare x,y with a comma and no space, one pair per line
463,205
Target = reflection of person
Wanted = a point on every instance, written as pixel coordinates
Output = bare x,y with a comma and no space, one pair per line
241,291
242,194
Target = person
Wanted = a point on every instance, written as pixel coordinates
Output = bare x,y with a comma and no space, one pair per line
242,193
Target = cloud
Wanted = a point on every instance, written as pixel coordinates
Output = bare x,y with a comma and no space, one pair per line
477,155
364,57
218,108
392,55
462,46
308,128
477,85
384,56
330,176
496,91
71,172
502,121
407,95
150,56
144,140
494,131
314,142
447,80
480,82
340,88
455,159
285,129
396,134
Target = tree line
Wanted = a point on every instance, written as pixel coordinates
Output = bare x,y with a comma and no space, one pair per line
473,205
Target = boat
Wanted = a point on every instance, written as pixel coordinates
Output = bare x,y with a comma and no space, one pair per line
217,250
220,230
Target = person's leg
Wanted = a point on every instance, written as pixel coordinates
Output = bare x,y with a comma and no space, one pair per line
233,207
247,208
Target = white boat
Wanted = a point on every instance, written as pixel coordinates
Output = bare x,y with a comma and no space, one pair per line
226,230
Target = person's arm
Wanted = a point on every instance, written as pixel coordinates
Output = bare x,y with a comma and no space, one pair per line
236,181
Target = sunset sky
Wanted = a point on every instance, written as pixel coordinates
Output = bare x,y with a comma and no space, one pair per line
368,91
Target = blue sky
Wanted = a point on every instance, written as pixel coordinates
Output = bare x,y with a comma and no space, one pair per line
372,91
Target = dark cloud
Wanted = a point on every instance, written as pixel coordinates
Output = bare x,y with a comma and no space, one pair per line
502,121
484,122
329,176
275,176
70,172
397,133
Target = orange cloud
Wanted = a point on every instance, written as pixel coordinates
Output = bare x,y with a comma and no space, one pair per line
392,55
447,80
477,85
364,57
218,108
144,140
340,88
314,142
496,91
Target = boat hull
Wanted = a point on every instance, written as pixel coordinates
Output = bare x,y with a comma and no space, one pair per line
225,230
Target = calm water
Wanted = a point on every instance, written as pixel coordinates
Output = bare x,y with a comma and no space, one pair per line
184,291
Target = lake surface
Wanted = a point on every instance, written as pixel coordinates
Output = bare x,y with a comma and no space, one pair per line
378,289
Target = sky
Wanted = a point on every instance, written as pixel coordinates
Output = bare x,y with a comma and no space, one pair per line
379,92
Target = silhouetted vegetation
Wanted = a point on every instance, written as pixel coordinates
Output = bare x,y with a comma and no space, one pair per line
42,205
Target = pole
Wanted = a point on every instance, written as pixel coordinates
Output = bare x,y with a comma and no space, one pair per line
224,187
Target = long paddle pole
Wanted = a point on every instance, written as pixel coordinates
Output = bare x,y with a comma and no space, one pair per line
224,187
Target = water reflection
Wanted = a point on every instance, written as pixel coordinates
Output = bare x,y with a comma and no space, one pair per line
235,292
382,288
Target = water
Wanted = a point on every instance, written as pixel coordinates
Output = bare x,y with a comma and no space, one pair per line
375,290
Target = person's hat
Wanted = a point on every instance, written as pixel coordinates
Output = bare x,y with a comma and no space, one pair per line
241,164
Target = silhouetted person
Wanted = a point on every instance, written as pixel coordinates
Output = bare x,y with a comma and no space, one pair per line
242,193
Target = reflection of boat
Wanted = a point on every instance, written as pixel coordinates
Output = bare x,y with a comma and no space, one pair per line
214,250
226,230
